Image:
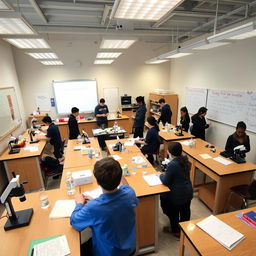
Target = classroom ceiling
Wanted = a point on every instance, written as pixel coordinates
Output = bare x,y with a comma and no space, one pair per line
91,18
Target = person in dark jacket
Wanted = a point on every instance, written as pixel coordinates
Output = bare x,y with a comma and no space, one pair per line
199,123
166,112
176,203
72,124
101,114
239,137
152,141
184,119
139,119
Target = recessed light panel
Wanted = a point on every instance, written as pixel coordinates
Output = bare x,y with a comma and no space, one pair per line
14,26
43,55
28,43
116,44
52,63
155,61
108,55
99,62
144,9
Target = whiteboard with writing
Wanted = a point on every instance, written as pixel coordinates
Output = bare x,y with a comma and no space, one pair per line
230,107
195,98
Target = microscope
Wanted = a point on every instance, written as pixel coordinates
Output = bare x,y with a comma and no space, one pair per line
31,131
19,218
179,131
239,154
11,145
85,137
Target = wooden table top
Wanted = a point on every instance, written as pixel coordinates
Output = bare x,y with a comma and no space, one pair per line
128,149
207,246
74,158
16,242
82,121
22,154
215,166
169,136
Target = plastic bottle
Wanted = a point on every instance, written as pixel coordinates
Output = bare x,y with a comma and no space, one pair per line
70,184
166,126
115,127
90,153
161,124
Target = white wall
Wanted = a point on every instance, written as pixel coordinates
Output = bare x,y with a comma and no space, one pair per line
128,72
230,67
8,77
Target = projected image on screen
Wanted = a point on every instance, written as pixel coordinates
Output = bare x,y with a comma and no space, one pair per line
78,93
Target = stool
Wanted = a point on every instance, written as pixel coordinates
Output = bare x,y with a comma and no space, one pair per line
245,192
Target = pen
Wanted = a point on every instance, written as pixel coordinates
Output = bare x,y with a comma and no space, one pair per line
32,252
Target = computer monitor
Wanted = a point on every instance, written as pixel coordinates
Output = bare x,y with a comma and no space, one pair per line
126,100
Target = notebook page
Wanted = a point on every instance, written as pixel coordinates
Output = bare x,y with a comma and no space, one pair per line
152,180
62,209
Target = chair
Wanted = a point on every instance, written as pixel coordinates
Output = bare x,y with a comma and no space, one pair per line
245,192
157,152
62,146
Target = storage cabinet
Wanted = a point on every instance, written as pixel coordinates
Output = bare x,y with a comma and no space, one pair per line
171,99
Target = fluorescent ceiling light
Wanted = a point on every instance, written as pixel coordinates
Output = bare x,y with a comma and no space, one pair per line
143,9
28,43
4,5
116,44
193,46
108,55
179,55
155,61
52,62
43,55
245,31
210,45
15,26
103,62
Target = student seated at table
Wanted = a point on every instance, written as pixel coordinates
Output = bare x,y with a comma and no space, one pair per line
111,216
52,135
152,141
176,203
139,119
166,112
184,119
72,124
239,137
199,123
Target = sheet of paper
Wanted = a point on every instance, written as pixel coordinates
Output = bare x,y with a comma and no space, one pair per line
94,193
79,147
205,156
186,142
62,209
116,157
31,149
222,160
54,247
152,180
220,231
138,159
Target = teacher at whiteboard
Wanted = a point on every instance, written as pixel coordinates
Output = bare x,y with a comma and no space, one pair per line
199,123
101,114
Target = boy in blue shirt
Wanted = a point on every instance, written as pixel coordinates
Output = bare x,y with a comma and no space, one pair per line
111,216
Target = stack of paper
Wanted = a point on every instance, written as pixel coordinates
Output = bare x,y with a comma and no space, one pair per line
221,232
152,180
31,148
116,157
54,247
205,156
62,209
186,142
222,160
94,193
138,159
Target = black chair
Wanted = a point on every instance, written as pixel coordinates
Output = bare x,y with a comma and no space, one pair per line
62,146
245,192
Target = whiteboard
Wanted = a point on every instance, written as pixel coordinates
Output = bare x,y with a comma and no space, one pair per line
230,107
10,117
111,96
195,98
75,93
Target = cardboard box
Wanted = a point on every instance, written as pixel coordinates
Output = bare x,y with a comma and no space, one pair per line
82,177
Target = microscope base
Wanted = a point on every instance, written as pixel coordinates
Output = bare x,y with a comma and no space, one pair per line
23,219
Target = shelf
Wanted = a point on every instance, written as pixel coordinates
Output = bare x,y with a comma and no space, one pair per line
155,113
206,193
154,103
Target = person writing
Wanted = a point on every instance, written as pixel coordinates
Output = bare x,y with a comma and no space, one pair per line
184,119
239,137
101,113
111,216
139,118
152,141
166,113
176,203
199,123
72,124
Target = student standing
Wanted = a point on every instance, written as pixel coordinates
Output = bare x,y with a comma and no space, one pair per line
199,123
111,216
72,124
239,137
184,119
176,203
101,113
52,135
152,141
139,119
166,112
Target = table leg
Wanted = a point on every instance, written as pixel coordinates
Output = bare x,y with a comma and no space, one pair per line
182,247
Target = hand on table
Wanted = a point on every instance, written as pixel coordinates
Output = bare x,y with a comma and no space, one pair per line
158,174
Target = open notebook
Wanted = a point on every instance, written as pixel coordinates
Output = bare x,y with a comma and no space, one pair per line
221,232
62,209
